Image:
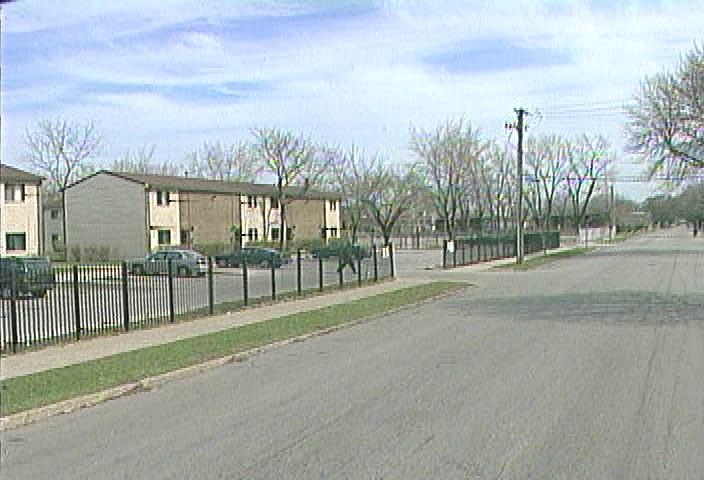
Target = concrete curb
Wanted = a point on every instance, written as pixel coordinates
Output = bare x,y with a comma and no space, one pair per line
21,419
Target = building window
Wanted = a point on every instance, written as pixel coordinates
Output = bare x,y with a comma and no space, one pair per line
14,193
54,214
251,201
333,232
55,240
333,205
162,198
274,202
164,237
16,242
290,231
274,233
253,234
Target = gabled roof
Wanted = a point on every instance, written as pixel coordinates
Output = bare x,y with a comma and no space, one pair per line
12,174
202,185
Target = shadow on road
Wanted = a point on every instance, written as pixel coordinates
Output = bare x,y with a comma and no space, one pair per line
622,307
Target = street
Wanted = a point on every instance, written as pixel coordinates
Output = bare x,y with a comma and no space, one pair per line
588,368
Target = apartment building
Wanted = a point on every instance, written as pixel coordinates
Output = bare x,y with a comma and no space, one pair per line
20,212
136,213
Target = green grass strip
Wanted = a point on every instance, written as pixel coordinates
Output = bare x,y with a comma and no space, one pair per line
44,388
534,262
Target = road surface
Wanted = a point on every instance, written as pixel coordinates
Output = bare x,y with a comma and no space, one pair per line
588,368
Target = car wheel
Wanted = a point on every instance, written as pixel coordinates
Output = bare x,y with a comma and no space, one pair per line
39,294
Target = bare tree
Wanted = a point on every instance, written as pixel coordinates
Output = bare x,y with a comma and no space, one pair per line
667,118
546,161
502,187
391,191
141,160
293,160
589,160
216,161
447,155
59,148
348,176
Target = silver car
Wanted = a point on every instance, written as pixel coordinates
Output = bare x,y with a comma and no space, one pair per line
183,263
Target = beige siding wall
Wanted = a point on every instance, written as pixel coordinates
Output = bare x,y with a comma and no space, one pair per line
252,218
332,218
21,217
307,216
107,211
164,217
209,217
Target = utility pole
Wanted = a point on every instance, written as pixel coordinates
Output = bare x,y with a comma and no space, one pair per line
612,226
519,127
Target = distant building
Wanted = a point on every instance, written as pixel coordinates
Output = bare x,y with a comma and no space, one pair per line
20,212
136,213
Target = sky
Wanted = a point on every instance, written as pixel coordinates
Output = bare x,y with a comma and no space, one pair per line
175,74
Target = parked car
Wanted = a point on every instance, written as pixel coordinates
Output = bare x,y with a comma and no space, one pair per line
255,256
31,276
184,263
334,250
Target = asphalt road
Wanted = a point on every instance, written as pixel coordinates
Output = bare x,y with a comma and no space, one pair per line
589,368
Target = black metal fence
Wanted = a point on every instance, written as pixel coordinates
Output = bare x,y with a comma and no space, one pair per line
483,248
74,302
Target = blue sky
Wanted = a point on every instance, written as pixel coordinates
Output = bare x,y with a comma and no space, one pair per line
178,73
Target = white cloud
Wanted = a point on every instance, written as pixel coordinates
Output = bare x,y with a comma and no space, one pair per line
355,79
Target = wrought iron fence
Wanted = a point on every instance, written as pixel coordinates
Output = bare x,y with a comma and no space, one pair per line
69,303
483,248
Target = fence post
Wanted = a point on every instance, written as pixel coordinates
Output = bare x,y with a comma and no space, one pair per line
391,261
76,303
13,311
320,273
464,258
272,266
211,287
454,252
125,298
444,254
340,274
245,282
299,286
376,263
359,268
170,285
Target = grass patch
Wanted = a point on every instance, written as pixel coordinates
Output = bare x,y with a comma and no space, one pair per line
538,261
51,386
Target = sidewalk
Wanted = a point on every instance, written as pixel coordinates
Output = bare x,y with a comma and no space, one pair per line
77,352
